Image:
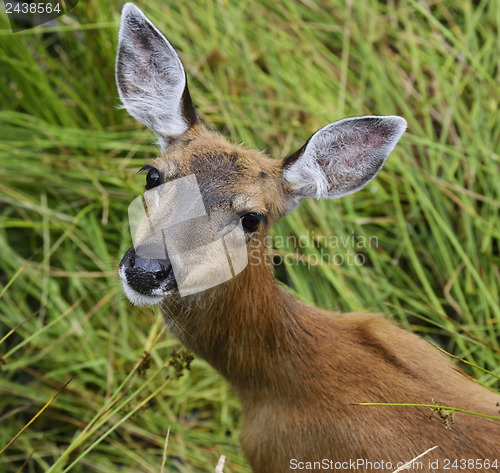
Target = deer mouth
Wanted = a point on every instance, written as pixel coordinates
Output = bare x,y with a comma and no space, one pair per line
146,281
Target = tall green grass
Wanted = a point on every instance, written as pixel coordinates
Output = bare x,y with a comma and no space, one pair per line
268,74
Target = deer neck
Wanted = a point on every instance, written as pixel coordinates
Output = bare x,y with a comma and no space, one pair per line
250,329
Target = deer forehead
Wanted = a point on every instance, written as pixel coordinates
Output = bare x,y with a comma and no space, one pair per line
227,174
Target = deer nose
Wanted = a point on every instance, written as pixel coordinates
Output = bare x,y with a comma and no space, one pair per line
144,274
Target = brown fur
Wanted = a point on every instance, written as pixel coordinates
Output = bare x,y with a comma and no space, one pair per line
299,370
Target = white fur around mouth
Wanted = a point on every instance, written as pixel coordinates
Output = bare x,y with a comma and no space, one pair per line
138,299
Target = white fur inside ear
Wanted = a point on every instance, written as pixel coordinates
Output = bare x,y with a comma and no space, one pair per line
344,156
150,76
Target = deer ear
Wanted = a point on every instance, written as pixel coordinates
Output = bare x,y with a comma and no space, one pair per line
151,79
342,157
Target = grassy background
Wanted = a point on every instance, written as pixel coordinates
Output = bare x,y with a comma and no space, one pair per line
269,74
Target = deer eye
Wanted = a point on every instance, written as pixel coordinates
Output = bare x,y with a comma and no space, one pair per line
153,178
251,221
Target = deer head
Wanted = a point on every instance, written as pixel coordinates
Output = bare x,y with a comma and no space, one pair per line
243,187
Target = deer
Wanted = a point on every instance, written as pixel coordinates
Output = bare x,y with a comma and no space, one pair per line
300,372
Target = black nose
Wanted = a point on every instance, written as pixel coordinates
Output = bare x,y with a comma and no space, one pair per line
145,275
